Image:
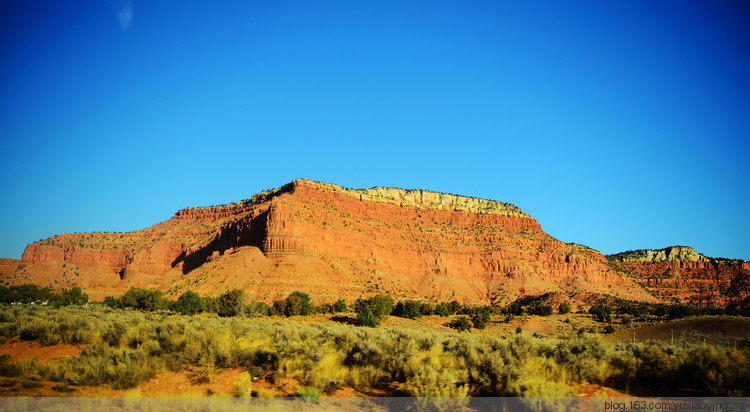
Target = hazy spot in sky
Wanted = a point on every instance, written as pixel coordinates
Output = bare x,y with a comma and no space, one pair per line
124,13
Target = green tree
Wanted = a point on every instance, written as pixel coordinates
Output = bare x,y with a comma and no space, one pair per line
111,302
143,299
365,317
443,309
28,293
256,309
381,306
514,309
189,303
540,309
564,308
232,303
602,312
408,309
278,308
479,321
339,306
298,303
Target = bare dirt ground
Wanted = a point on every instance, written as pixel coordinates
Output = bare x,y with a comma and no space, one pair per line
34,350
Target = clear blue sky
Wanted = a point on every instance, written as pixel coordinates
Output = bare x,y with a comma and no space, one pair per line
616,124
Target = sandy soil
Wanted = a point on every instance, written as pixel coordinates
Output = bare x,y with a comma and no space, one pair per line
33,350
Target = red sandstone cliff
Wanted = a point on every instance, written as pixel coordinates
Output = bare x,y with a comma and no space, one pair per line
335,243
681,273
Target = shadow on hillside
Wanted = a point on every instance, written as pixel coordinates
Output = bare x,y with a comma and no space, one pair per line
243,232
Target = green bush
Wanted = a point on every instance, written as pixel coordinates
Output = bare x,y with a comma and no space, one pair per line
443,309
408,309
564,308
339,306
142,299
381,306
514,308
602,312
540,309
231,303
189,303
298,303
256,309
365,317
111,302
461,323
479,321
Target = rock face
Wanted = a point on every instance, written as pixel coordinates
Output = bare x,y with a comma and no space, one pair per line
681,273
670,254
336,243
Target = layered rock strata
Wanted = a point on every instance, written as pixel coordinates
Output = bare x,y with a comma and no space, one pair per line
336,243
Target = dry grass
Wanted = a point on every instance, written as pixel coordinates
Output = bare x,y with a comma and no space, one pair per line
124,348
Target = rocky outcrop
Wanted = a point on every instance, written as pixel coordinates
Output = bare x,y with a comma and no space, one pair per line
679,272
333,243
670,254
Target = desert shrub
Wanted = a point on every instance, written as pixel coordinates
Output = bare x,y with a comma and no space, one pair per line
244,385
142,299
365,317
111,302
257,309
308,394
479,321
408,309
323,308
564,308
278,308
298,303
461,323
189,303
231,303
540,309
681,311
8,369
126,347
99,364
514,308
381,306
26,293
339,306
443,309
602,312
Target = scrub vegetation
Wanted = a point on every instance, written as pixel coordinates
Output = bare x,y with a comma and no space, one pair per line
123,347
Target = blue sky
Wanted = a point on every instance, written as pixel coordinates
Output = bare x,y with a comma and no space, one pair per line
619,125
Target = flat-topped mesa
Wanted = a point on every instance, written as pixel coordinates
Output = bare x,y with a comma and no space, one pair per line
669,254
421,199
